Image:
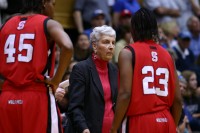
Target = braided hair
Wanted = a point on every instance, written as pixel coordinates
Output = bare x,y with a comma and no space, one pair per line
144,26
35,6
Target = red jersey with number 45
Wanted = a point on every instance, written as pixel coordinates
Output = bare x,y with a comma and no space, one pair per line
24,49
153,84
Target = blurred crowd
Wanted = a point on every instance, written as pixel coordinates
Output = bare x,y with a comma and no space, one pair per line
179,33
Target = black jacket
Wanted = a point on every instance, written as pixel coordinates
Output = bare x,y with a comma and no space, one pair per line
86,96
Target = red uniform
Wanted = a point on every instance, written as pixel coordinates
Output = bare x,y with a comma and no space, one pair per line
26,106
153,89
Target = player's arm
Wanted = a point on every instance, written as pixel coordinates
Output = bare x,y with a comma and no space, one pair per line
176,108
57,34
124,94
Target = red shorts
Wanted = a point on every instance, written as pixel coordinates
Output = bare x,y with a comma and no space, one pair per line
28,110
158,122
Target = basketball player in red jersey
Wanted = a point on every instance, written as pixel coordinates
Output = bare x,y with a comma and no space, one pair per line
27,104
149,99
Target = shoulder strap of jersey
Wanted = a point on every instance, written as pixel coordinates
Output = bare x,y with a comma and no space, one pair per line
52,49
45,28
133,54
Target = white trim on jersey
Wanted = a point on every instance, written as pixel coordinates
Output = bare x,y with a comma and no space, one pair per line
124,124
54,114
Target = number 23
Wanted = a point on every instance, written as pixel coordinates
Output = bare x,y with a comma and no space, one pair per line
150,79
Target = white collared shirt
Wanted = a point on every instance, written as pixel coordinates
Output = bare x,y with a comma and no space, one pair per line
183,53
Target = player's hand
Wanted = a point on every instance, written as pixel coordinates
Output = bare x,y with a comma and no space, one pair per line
86,131
52,82
59,94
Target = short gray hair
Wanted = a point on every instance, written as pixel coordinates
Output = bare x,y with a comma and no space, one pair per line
101,30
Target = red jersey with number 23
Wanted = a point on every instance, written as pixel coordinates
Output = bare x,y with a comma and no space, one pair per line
153,84
23,49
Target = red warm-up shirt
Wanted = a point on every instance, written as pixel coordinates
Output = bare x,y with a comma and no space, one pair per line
102,70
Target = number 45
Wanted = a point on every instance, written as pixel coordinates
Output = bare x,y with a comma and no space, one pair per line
10,50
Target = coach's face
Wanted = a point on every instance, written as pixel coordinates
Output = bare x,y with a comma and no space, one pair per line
104,47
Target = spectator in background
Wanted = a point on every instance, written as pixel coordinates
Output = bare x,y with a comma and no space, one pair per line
165,43
93,86
98,19
120,5
187,8
124,21
182,83
194,28
123,41
195,7
84,9
171,30
64,15
185,59
191,79
183,126
125,18
163,39
166,11
82,48
191,100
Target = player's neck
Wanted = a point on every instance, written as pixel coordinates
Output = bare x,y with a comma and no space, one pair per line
28,14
